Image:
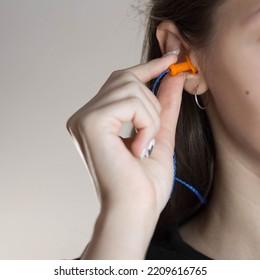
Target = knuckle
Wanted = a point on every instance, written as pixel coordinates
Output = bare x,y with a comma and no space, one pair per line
130,75
122,73
116,74
133,87
81,124
126,74
159,107
70,123
87,123
136,102
157,124
154,123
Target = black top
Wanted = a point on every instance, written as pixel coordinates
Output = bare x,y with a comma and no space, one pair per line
171,246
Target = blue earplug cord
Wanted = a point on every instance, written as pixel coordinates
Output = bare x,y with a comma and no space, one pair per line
175,179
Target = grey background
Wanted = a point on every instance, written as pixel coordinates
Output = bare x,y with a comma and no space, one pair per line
54,56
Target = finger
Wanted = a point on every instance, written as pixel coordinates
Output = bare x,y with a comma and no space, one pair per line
170,96
141,74
128,89
122,85
152,69
111,117
137,88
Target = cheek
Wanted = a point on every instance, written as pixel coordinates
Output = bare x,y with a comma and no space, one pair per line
235,94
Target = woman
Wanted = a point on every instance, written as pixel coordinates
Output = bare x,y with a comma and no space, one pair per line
217,149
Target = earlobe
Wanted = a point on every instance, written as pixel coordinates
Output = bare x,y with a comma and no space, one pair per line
195,84
169,39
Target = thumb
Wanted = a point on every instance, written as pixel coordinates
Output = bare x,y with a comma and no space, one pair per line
170,96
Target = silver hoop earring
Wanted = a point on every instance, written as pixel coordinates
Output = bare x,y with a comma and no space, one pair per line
197,101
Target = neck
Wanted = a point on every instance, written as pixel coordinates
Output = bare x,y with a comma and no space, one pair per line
229,228
234,211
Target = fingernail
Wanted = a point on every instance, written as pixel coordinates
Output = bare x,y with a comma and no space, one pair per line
175,52
148,149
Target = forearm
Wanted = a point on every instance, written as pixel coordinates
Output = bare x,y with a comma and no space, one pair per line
122,234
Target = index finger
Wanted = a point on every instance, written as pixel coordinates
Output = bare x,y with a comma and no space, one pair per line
152,69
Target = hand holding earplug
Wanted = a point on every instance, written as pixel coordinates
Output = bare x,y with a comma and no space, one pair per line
133,184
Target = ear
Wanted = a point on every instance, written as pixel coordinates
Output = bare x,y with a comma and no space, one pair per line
169,39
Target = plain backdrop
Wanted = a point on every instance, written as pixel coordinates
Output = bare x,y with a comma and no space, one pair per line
54,56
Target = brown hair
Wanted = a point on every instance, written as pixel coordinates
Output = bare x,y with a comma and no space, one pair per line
194,148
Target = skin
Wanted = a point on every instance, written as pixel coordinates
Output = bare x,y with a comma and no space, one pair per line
229,228
130,205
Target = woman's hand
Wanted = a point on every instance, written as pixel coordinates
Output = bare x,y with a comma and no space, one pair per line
122,178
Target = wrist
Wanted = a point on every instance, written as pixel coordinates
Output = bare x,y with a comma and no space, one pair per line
136,202
122,233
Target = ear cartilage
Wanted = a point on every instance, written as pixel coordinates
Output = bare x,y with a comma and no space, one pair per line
183,67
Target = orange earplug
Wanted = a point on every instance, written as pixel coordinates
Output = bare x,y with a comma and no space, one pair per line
182,67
